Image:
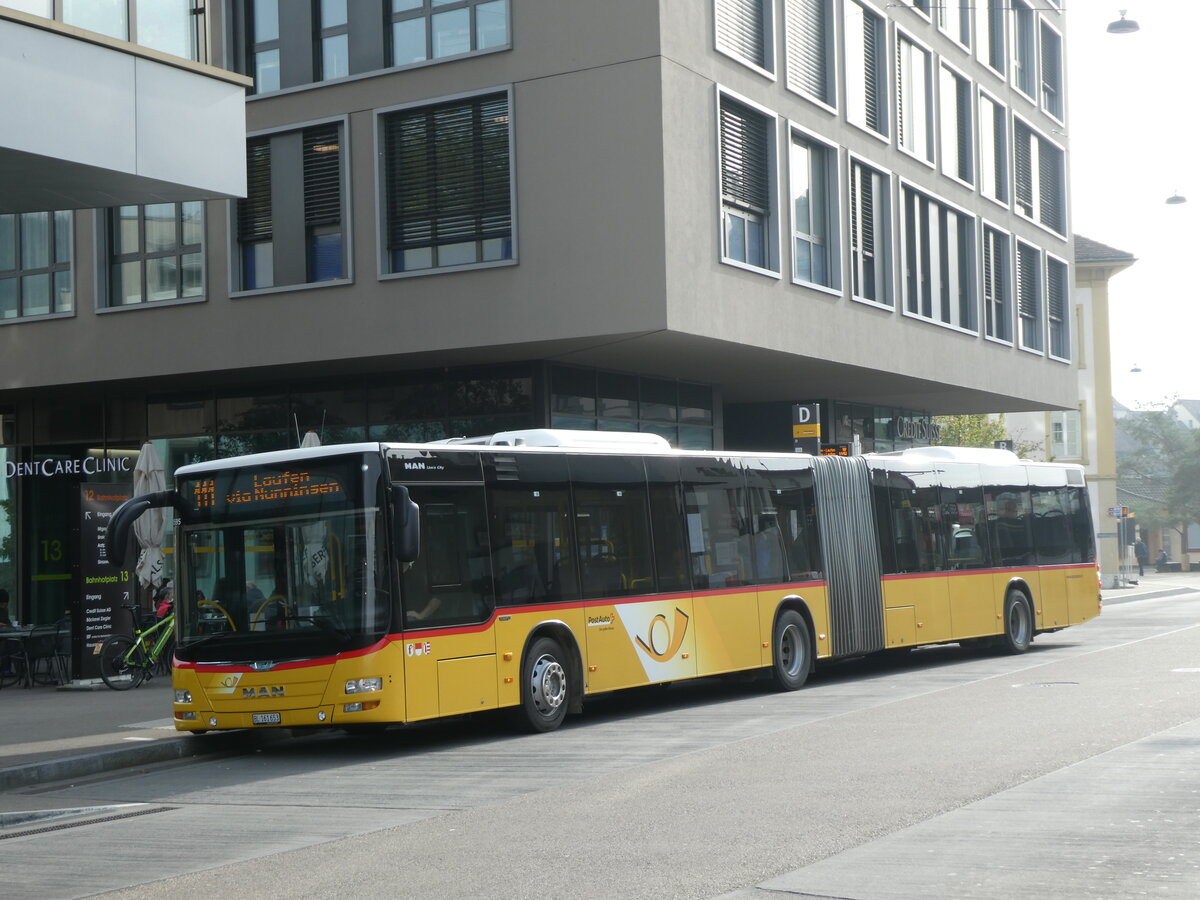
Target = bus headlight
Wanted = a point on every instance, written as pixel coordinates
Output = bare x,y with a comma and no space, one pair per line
363,685
183,696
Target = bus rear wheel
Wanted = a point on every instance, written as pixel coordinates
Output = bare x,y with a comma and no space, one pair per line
791,651
1018,622
545,686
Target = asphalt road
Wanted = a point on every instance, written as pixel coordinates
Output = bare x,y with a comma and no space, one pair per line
1067,772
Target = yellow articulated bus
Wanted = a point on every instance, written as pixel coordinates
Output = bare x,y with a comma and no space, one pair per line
364,584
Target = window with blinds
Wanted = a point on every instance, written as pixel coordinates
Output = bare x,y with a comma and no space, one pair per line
809,27
291,221
914,99
993,149
1029,296
746,183
957,135
1024,48
744,31
1058,322
939,261
870,218
954,18
993,48
254,217
997,296
1052,72
1038,178
1066,431
813,169
866,68
323,201
448,186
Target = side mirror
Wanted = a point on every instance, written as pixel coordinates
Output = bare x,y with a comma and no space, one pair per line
406,525
117,533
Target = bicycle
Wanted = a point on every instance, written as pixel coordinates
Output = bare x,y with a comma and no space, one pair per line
125,662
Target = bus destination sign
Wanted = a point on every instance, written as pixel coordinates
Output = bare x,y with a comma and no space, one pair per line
254,487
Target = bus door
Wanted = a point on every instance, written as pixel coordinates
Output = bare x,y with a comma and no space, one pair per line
448,646
630,563
973,605
787,546
719,543
533,559
1053,544
916,596
1010,535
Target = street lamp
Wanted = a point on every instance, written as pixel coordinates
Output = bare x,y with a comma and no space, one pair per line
1122,25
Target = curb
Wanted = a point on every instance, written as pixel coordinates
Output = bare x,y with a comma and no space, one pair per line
165,750
1146,595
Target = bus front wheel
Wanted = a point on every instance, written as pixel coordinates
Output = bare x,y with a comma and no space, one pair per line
791,649
1018,622
545,688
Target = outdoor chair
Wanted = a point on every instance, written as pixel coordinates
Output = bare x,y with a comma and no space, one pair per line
14,662
62,648
45,665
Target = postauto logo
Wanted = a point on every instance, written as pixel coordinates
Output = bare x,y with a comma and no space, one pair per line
663,639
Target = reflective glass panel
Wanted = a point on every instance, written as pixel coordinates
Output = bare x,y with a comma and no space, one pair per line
167,25
266,71
35,240
451,33
491,24
160,227
35,294
110,17
408,41
266,20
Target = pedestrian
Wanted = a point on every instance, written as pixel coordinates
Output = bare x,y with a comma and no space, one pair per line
1142,552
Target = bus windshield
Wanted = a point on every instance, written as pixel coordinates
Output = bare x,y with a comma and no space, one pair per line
280,563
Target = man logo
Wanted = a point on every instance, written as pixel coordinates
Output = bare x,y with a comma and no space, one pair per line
662,641
275,690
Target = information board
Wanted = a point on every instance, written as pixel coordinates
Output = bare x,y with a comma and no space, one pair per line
103,588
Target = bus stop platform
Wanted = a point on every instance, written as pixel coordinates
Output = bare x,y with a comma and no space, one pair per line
50,734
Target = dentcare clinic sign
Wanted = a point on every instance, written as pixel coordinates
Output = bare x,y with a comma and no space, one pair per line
88,465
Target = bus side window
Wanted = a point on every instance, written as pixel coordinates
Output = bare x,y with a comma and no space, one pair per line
450,583
718,525
667,525
612,530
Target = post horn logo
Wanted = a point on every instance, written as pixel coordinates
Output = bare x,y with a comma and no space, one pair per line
663,641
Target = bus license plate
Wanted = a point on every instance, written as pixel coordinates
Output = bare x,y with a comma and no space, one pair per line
265,718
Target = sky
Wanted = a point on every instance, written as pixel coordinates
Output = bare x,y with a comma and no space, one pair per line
1134,141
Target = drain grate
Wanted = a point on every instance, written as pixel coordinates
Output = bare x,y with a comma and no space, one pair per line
83,820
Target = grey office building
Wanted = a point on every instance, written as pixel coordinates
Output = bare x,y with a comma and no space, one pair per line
678,216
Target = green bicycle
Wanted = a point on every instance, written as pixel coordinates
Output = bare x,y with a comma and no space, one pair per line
125,662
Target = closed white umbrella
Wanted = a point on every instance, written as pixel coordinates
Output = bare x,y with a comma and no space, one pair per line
316,557
151,525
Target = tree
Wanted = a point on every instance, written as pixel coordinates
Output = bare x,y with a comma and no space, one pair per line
1165,464
980,430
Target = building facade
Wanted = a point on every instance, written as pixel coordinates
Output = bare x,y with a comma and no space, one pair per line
1086,434
678,216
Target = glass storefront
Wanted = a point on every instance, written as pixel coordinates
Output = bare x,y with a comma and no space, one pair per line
70,442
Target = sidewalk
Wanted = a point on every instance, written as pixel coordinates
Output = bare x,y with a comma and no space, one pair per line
50,734
1153,584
